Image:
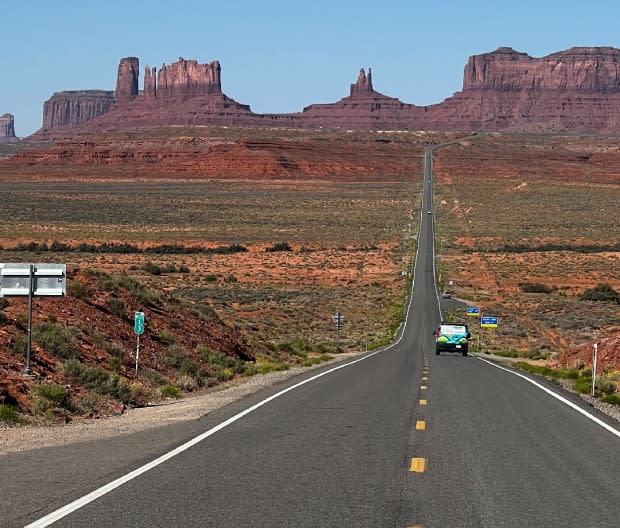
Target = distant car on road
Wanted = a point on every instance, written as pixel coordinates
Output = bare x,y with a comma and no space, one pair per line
452,338
429,212
446,295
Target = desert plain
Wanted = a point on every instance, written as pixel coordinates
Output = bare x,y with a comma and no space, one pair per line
240,245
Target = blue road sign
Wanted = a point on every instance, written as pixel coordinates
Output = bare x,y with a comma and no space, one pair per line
473,310
489,321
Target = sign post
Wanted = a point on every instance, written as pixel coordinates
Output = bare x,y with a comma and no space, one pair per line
339,320
489,321
138,328
594,354
32,280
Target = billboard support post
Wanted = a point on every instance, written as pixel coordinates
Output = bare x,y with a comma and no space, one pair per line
27,370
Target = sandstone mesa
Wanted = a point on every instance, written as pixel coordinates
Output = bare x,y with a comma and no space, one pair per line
7,128
576,90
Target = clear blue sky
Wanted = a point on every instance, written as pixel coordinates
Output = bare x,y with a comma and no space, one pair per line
279,56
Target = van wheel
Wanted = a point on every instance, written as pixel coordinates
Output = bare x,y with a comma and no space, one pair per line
464,352
436,352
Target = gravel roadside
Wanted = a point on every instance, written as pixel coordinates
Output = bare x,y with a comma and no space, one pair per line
24,438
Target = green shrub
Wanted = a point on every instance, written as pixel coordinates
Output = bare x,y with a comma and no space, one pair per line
115,350
224,373
115,363
19,345
49,396
178,358
280,246
507,353
583,385
165,337
614,398
601,292
265,365
230,278
116,305
79,290
604,385
210,277
88,403
187,383
250,369
154,377
170,391
298,346
550,372
220,362
151,268
328,348
56,340
98,380
10,415
145,295
534,287
3,303
207,313
314,361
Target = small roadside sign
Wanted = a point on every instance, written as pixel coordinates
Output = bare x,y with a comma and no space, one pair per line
138,323
489,321
338,319
473,311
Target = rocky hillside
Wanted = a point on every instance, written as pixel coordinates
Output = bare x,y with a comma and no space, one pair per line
83,351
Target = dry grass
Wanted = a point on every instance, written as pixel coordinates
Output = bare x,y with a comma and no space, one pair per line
501,224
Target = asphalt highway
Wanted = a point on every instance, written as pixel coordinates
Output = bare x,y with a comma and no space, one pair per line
395,438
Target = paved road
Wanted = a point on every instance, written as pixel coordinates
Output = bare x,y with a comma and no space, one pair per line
398,438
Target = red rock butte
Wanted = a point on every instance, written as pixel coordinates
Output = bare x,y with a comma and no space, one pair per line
7,128
577,90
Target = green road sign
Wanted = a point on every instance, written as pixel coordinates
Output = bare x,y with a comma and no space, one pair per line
138,323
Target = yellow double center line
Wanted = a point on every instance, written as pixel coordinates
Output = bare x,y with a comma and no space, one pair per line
418,465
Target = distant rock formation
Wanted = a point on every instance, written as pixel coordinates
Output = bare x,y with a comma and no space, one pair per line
187,78
363,86
595,70
150,83
577,90
127,80
7,129
363,108
67,109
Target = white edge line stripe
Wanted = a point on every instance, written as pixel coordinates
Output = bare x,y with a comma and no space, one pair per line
107,488
557,396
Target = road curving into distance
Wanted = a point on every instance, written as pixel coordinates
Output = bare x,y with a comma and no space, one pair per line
395,438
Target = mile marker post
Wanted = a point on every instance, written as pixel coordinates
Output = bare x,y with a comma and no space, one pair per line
594,354
138,328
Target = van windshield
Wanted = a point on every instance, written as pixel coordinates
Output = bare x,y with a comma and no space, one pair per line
450,330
